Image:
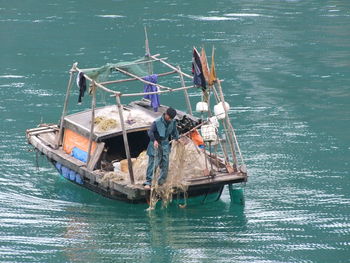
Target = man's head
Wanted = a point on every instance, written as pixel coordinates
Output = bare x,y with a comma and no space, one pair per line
170,114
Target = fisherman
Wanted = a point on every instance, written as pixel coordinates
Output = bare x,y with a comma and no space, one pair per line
162,130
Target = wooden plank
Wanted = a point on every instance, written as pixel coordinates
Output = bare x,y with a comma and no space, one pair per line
42,131
92,126
64,111
131,193
54,126
49,138
96,156
125,138
223,179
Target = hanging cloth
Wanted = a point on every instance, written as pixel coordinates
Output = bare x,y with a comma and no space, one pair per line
154,98
81,82
197,70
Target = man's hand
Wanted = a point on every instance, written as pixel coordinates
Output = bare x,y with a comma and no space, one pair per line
155,144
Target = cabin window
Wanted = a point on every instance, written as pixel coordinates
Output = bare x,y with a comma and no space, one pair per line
114,147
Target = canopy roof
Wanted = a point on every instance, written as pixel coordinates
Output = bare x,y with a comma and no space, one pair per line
138,116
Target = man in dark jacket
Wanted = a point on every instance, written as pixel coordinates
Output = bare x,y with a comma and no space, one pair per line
158,150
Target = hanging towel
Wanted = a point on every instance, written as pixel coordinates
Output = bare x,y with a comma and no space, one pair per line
154,98
81,82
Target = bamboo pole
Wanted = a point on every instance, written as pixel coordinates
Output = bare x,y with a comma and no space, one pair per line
171,66
228,137
189,108
93,106
99,85
125,137
132,79
133,62
231,143
229,123
148,53
64,111
153,92
222,145
142,80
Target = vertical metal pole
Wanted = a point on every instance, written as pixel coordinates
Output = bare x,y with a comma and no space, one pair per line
93,106
125,137
64,111
187,98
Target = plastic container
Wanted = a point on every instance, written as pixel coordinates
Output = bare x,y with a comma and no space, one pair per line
202,106
219,110
78,179
214,120
209,133
72,175
65,172
116,166
58,167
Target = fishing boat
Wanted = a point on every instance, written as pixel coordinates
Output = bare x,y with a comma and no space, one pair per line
103,148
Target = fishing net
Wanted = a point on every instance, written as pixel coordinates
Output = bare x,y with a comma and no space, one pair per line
186,161
104,123
108,119
137,67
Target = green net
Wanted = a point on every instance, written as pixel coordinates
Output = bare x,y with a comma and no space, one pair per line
140,67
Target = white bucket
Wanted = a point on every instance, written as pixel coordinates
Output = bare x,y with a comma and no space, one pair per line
202,107
219,110
209,133
116,166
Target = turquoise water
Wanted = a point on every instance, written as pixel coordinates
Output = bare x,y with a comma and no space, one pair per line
286,71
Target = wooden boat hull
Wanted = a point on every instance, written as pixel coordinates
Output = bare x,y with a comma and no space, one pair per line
43,140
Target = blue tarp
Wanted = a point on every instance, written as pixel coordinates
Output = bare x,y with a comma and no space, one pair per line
79,154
